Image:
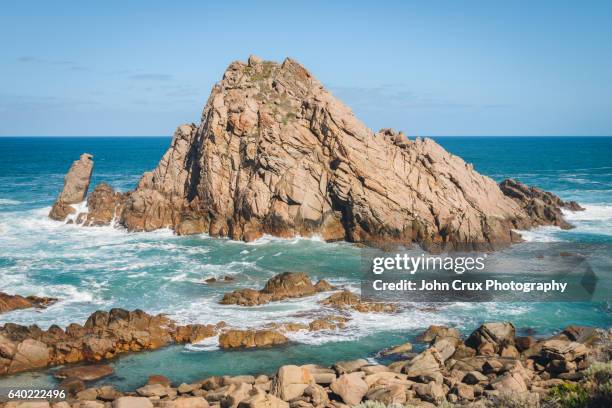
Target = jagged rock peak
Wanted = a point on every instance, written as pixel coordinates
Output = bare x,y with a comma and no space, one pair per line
276,153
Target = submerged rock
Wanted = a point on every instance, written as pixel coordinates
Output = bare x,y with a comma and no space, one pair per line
276,153
85,373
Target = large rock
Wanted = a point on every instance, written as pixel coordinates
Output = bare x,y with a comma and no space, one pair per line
103,205
557,349
276,153
496,335
14,302
235,338
291,381
263,400
30,354
425,365
434,331
132,402
350,387
186,402
76,184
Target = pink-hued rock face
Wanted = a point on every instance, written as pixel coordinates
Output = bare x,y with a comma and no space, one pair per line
276,153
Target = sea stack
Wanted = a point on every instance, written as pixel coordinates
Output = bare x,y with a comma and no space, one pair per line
276,153
76,184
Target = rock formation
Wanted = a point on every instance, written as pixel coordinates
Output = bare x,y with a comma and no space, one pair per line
9,303
283,286
104,335
250,338
347,299
275,153
444,374
76,184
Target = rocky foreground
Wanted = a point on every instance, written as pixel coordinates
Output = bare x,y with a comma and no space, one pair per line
491,368
275,153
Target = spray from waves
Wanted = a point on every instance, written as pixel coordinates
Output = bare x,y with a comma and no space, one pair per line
592,212
541,234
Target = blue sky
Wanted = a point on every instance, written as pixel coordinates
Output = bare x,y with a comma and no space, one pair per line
428,68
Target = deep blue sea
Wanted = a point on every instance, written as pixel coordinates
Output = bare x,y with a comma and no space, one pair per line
101,268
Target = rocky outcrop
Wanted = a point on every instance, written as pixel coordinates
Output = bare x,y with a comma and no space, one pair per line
275,153
250,338
104,336
543,207
9,303
346,299
283,286
103,205
76,184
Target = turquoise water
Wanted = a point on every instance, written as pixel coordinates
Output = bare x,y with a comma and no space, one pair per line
100,268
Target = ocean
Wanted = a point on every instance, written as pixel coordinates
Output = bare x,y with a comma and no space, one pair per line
101,268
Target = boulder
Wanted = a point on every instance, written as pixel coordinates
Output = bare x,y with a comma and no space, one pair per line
391,395
511,383
321,375
426,364
291,381
430,392
400,349
236,394
316,395
346,367
350,387
29,355
153,390
557,349
186,402
132,402
497,334
435,331
263,400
